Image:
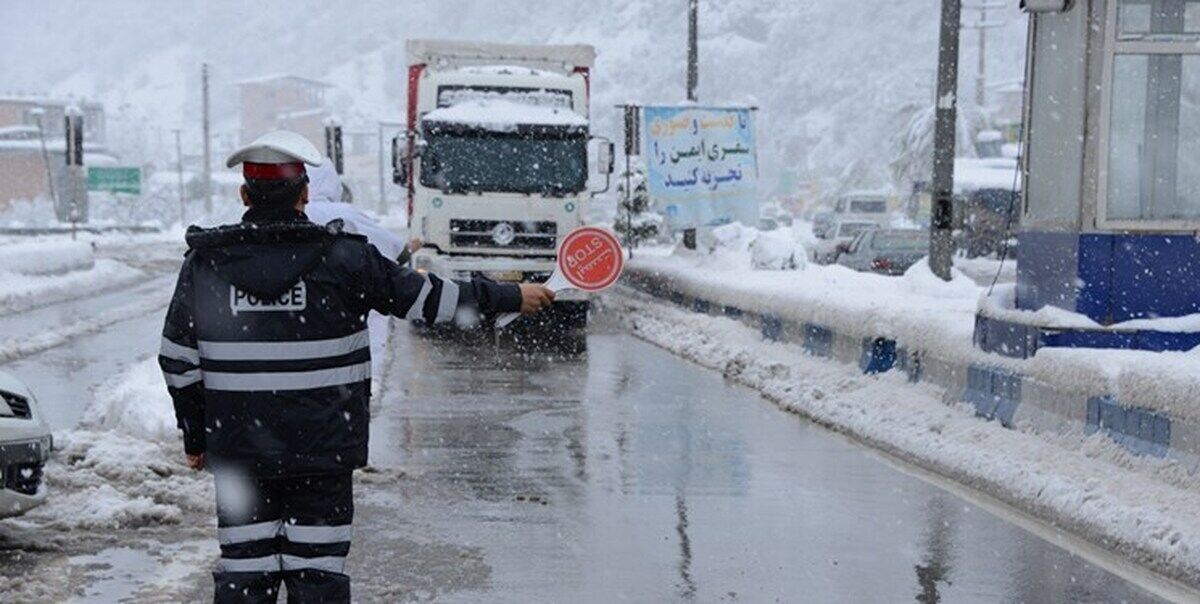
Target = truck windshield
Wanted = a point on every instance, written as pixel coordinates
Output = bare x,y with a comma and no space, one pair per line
504,163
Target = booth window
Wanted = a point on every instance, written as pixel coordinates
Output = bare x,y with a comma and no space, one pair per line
1153,136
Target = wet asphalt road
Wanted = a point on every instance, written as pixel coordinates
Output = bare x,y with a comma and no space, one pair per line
616,473
626,474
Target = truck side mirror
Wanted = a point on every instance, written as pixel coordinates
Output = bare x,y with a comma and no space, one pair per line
604,157
399,162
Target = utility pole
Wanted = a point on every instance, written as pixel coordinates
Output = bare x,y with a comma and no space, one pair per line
39,115
693,71
982,26
693,79
179,173
207,177
941,241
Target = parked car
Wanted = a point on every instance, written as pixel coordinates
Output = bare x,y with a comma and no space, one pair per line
25,445
840,235
885,251
822,221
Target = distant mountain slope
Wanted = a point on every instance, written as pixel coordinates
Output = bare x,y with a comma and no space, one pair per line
828,75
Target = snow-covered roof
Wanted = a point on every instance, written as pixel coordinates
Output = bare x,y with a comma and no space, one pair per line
450,54
972,174
299,113
275,77
21,132
508,70
45,100
504,116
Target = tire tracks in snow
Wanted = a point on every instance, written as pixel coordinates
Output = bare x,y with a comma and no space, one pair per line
12,349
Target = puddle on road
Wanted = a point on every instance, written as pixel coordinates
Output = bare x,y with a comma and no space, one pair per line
126,574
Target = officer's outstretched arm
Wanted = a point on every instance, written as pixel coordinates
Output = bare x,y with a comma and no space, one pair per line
402,292
179,358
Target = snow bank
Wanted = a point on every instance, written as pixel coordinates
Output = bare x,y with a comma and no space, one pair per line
109,480
134,403
50,257
916,309
19,292
1143,509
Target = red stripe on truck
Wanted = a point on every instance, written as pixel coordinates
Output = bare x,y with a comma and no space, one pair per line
414,77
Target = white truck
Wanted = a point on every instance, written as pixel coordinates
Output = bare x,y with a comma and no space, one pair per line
496,159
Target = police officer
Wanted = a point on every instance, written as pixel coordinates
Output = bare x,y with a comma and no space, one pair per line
265,354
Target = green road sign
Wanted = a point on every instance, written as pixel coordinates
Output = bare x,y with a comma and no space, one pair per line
115,180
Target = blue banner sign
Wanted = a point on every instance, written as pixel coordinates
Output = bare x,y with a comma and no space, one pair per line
701,166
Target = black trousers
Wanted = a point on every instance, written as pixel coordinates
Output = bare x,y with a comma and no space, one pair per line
291,529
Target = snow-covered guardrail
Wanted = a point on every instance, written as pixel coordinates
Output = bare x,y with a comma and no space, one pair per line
1145,401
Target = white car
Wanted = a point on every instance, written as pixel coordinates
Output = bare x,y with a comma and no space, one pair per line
25,444
840,234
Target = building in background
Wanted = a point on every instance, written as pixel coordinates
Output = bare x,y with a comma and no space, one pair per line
23,169
283,102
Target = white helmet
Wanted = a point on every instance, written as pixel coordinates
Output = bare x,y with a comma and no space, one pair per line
277,147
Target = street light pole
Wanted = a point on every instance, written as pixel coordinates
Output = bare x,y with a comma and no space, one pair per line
207,141
179,174
941,242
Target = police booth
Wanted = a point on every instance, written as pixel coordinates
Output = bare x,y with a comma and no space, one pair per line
1110,228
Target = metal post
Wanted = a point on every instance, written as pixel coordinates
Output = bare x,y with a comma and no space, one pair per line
207,177
632,136
693,77
382,190
179,174
333,143
73,129
981,68
693,72
941,242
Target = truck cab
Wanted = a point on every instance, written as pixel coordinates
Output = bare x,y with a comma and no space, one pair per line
495,159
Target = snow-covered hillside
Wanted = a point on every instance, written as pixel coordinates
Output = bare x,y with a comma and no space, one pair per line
829,76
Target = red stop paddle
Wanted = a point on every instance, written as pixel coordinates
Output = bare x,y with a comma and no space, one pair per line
590,259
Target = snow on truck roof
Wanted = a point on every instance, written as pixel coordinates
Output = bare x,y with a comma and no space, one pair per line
504,116
451,54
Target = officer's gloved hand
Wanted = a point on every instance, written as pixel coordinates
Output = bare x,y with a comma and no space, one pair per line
535,297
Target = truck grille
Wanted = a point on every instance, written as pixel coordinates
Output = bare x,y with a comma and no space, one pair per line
18,404
526,235
24,478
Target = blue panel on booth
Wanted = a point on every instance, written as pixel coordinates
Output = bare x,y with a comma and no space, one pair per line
1047,270
1095,277
1155,276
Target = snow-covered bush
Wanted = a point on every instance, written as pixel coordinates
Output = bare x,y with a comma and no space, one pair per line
777,250
738,246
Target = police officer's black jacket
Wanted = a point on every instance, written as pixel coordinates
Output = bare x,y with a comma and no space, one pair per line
265,349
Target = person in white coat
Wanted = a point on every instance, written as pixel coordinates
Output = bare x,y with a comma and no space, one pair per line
324,206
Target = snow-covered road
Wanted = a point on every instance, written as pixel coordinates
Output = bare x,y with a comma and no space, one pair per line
502,475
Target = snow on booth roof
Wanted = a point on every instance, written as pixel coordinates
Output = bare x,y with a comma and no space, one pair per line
500,115
975,174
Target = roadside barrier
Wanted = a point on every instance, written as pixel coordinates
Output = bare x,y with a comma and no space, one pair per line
993,385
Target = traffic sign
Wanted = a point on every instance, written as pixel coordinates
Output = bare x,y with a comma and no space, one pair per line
115,180
590,259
